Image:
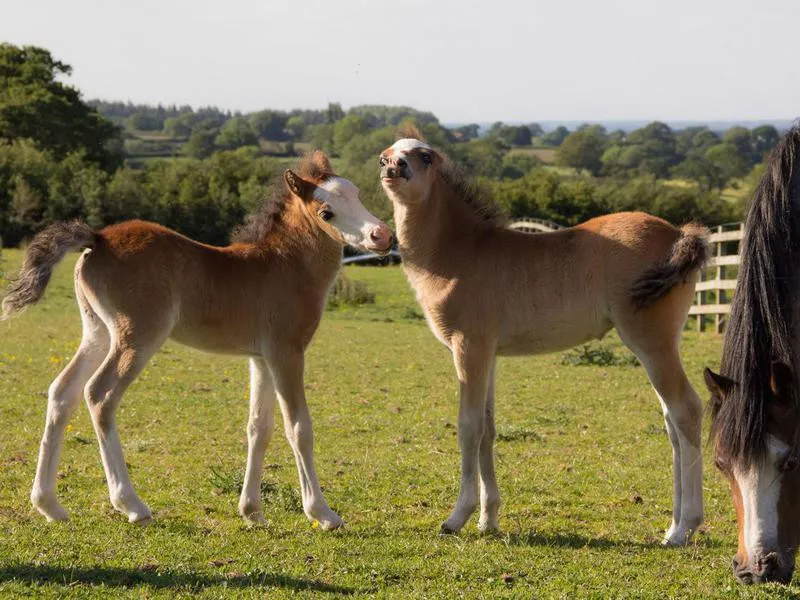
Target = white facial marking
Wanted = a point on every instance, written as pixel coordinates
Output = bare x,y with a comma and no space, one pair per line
406,145
350,217
760,489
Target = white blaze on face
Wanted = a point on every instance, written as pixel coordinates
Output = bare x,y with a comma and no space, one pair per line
350,217
761,488
407,145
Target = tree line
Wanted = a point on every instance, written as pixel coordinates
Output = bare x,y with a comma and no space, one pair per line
63,158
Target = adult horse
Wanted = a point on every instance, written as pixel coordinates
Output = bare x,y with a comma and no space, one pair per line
138,283
755,404
487,291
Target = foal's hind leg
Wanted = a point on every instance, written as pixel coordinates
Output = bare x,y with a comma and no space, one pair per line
287,371
63,397
683,414
259,434
127,358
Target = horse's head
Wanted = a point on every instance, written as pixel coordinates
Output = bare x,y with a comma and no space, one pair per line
764,479
408,169
333,201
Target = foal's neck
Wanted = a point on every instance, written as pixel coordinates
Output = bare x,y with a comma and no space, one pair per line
437,231
298,239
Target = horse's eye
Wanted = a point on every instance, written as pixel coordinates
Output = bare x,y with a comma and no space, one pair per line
382,161
326,215
426,158
720,464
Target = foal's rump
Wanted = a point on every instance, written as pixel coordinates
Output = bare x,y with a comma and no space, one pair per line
645,257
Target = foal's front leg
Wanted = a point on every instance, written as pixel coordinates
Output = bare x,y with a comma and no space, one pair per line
287,372
490,495
473,360
259,434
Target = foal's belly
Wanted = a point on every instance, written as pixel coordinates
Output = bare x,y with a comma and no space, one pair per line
217,340
551,333
540,342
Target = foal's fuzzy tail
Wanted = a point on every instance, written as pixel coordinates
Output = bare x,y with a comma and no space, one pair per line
689,253
45,251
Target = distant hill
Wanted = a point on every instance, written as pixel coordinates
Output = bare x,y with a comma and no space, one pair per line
627,126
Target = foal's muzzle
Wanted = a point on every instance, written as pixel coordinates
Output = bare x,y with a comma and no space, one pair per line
395,168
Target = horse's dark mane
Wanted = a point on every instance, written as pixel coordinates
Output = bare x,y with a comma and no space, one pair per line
760,328
311,167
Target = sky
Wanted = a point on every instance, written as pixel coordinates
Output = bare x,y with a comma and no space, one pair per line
514,61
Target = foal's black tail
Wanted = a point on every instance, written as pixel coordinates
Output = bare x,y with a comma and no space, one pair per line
689,253
45,251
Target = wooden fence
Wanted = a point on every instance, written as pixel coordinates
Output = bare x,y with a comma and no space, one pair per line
717,281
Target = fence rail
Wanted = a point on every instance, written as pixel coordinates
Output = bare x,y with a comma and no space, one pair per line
714,290
718,279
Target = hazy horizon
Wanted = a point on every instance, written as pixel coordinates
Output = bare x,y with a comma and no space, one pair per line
508,61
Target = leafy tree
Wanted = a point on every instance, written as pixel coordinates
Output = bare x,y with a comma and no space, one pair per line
763,139
466,133
235,133
535,129
295,127
33,104
334,113
348,128
727,158
145,121
739,137
201,142
554,138
583,149
269,124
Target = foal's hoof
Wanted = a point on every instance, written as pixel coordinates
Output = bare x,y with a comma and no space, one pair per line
330,524
49,508
445,529
255,519
677,539
488,530
142,521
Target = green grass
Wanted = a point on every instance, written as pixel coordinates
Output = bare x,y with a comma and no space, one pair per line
583,465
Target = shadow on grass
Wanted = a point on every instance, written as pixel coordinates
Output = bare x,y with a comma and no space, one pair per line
160,578
574,541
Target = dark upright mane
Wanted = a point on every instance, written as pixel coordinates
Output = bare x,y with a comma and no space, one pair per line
312,167
760,329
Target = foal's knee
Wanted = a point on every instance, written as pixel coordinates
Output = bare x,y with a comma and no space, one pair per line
99,399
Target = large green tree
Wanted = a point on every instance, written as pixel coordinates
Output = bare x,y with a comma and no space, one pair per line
34,105
583,149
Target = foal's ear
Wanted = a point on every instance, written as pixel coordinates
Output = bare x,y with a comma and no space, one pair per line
719,385
781,380
299,187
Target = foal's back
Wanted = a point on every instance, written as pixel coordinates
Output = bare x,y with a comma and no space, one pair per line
158,282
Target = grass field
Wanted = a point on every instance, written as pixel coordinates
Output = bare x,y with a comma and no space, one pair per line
583,465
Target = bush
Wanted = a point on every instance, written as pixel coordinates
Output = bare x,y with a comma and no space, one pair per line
598,355
348,292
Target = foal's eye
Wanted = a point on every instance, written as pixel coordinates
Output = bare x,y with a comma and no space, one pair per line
326,215
382,161
426,158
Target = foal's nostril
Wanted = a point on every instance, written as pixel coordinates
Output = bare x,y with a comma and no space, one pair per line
401,162
391,172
